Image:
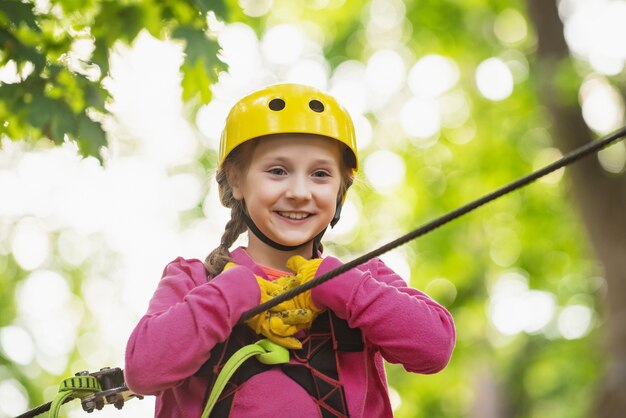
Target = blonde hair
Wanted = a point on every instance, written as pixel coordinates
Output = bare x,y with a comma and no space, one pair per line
236,164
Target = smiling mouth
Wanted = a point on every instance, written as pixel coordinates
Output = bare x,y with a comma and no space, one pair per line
294,215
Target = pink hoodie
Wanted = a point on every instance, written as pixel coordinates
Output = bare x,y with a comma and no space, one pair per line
189,315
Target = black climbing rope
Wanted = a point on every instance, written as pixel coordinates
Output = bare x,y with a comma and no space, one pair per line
573,156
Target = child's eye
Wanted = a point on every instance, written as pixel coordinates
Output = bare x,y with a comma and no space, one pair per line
321,173
277,171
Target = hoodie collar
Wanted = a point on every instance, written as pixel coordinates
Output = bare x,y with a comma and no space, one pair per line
240,256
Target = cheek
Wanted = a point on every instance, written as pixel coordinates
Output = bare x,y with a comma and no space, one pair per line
329,195
265,192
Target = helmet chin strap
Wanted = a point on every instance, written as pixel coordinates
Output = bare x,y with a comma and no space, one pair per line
278,246
260,235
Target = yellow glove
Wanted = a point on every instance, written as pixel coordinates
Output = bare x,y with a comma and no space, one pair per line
283,321
305,272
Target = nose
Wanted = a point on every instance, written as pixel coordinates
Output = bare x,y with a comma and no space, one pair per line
298,188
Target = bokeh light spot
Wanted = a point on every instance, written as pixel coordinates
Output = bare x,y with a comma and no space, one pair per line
30,244
545,157
513,308
613,158
256,8
494,79
240,49
384,170
575,321
603,108
396,260
282,44
13,398
387,14
432,76
510,27
349,87
385,72
17,344
420,118
442,290
394,398
309,72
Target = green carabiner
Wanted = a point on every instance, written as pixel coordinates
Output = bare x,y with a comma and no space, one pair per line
74,387
265,351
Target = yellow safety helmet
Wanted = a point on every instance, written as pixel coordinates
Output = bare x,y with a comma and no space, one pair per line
287,108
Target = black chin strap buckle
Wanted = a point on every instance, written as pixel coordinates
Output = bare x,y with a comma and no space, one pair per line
335,219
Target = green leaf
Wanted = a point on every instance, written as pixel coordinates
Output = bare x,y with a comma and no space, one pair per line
62,122
152,18
196,42
18,12
91,137
100,56
201,65
118,22
131,20
95,96
40,110
15,49
9,94
196,81
115,22
200,48
217,6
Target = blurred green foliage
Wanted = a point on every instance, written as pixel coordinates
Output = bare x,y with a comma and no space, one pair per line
537,374
60,95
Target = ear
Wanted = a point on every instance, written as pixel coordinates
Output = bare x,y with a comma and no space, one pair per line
237,194
235,184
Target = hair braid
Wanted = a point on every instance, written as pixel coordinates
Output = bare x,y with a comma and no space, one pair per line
220,256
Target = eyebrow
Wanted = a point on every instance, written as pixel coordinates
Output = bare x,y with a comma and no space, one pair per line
318,161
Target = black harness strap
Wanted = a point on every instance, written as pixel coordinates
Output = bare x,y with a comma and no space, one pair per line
239,337
316,371
321,378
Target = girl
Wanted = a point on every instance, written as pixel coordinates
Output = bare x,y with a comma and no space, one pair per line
287,158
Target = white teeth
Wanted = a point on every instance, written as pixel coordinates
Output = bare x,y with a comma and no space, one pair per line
294,215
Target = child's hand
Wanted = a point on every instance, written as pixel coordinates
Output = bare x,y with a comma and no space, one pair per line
285,283
281,322
275,329
305,271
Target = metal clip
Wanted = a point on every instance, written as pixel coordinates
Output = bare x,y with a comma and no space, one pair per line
114,390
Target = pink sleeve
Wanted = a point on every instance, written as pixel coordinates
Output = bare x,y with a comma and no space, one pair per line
186,318
405,324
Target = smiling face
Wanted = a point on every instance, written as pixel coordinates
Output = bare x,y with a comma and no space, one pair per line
290,189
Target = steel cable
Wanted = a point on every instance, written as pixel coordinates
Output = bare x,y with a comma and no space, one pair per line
571,157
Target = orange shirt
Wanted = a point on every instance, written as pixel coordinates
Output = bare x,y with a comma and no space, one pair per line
273,274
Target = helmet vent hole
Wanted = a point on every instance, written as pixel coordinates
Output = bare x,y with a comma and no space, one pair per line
316,106
276,104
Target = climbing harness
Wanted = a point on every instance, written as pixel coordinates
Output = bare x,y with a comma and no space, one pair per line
100,398
265,352
315,365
